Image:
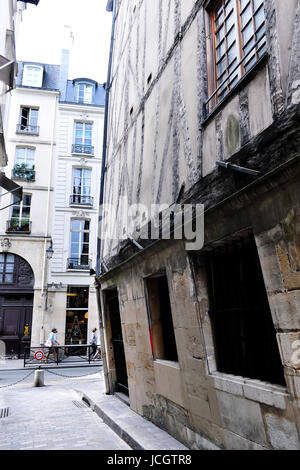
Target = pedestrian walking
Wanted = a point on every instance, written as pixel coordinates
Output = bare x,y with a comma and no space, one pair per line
93,342
51,343
98,352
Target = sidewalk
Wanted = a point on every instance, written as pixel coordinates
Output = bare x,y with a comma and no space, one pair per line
134,430
18,364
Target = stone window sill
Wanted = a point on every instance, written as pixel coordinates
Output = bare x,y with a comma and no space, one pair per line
255,390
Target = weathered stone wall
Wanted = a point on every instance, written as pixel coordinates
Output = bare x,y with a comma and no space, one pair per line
192,400
160,138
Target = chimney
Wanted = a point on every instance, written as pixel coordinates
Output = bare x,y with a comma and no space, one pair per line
67,42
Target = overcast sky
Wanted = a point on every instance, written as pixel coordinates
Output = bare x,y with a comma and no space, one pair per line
41,35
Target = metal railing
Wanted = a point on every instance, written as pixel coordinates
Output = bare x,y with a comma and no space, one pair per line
66,354
28,129
79,263
83,149
81,200
18,225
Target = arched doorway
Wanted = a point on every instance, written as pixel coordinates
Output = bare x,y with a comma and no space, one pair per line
16,302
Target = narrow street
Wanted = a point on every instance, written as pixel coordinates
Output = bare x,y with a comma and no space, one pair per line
53,417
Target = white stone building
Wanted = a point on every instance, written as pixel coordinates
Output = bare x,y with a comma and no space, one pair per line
72,305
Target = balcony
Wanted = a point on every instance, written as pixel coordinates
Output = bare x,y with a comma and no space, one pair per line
22,172
16,225
81,263
79,200
27,129
80,149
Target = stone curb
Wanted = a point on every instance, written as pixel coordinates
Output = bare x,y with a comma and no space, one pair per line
119,430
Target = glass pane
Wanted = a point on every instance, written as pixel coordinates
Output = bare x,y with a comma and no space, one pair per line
248,33
220,35
259,18
221,50
9,267
246,15
231,37
75,224
228,7
230,21
1,267
232,54
75,236
8,278
221,66
257,4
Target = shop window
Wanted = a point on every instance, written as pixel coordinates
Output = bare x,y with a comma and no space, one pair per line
160,319
244,334
77,315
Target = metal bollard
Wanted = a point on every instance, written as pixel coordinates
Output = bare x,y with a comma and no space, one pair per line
38,380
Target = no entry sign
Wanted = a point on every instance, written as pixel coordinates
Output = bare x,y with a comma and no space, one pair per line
39,355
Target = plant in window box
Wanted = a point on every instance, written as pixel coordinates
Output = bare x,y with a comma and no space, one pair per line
25,224
22,171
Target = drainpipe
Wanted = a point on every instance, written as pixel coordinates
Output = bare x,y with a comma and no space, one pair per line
45,266
111,6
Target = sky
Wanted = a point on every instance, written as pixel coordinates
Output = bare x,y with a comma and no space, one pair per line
42,35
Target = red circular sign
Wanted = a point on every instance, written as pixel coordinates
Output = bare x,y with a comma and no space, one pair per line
39,355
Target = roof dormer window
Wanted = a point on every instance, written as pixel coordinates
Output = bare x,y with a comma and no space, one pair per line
33,76
84,93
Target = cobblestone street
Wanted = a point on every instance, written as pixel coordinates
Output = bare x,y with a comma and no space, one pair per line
52,417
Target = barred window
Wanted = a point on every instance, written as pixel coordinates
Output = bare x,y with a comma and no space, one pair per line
238,41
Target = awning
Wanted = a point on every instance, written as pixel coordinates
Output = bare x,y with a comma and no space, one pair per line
7,68
10,187
34,2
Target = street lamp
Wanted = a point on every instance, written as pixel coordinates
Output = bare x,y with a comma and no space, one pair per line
49,251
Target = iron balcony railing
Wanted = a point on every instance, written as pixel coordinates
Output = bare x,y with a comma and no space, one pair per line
82,200
28,129
16,224
82,262
83,149
21,172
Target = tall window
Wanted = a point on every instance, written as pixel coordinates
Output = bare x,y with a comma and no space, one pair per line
20,214
83,138
25,156
77,315
28,120
7,264
244,334
238,34
161,322
84,93
81,186
32,76
80,236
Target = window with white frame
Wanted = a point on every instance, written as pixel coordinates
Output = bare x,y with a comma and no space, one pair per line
84,93
81,186
28,120
33,76
83,138
7,265
25,155
20,213
237,43
80,236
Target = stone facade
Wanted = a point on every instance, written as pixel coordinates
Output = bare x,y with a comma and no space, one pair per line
163,147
